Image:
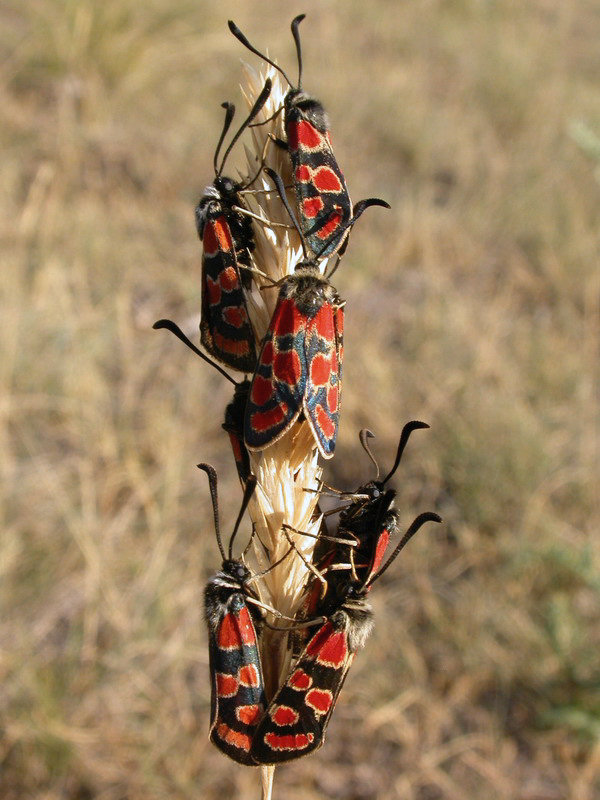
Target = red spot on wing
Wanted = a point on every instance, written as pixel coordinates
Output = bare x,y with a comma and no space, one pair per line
246,626
311,207
209,240
299,680
287,320
326,425
296,741
319,639
320,700
284,715
332,223
249,715
266,357
303,133
326,180
382,544
328,646
320,370
302,174
332,399
262,390
223,234
227,685
229,637
248,675
233,738
339,322
235,316
228,279
214,291
237,347
323,322
262,421
235,446
287,367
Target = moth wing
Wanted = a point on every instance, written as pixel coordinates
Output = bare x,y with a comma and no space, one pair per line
323,349
237,697
324,205
373,524
296,719
225,329
278,385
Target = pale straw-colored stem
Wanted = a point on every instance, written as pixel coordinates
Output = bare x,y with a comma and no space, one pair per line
267,774
288,467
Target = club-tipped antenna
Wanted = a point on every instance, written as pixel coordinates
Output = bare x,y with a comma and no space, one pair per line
248,492
364,435
357,212
240,37
281,192
258,104
212,485
229,115
404,437
175,329
296,34
427,516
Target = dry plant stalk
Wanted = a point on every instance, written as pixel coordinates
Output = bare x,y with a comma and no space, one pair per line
289,467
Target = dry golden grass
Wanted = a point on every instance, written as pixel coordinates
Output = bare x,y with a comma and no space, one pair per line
473,305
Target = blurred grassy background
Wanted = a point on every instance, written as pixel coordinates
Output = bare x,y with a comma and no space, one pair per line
471,305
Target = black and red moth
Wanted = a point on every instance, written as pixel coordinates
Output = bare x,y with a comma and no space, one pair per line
300,364
237,691
324,205
369,520
295,721
234,412
367,524
227,239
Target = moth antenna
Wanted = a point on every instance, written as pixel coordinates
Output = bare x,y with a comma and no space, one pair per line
364,435
212,485
281,192
271,566
252,535
240,37
175,329
357,212
404,437
229,115
335,266
248,492
258,104
296,34
273,116
428,516
260,168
